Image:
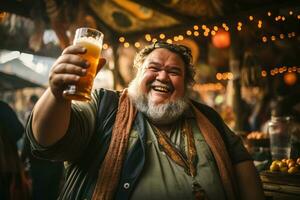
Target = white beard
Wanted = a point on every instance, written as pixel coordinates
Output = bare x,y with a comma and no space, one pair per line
158,114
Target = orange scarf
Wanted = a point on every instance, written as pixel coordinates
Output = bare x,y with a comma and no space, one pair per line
109,174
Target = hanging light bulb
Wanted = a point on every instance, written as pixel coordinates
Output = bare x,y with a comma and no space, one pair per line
121,39
221,39
169,41
105,46
137,44
162,36
188,32
126,44
290,78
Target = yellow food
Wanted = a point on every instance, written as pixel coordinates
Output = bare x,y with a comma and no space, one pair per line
285,166
274,168
283,169
293,170
291,164
282,164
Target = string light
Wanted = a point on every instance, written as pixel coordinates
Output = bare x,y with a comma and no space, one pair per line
259,25
264,73
281,36
273,37
162,36
239,26
277,18
148,37
137,44
224,76
188,32
281,70
169,41
196,30
219,76
121,39
230,75
105,46
208,87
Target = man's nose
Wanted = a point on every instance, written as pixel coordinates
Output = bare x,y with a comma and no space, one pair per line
162,75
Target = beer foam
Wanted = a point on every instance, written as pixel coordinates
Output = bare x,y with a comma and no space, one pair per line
90,41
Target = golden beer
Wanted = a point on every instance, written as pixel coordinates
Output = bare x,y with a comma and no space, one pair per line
93,43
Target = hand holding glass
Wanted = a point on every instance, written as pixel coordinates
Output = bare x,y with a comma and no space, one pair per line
92,40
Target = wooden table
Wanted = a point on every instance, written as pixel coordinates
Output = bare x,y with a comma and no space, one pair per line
280,186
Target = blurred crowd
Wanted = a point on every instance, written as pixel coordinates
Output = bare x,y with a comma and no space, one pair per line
23,176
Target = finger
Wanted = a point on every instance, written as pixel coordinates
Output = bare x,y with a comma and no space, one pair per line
72,59
60,81
66,68
101,63
74,49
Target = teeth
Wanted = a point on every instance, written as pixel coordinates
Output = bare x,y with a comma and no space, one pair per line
163,89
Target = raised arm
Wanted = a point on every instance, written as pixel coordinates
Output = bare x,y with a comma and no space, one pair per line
52,112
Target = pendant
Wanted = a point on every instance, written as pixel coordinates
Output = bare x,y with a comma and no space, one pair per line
198,192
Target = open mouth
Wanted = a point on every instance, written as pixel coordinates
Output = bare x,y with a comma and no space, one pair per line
161,88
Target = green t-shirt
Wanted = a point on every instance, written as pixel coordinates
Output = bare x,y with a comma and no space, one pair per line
162,178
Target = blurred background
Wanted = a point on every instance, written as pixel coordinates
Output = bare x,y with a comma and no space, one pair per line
246,52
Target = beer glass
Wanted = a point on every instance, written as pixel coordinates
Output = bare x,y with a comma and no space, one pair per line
92,40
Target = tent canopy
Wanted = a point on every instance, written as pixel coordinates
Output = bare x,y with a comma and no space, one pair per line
9,82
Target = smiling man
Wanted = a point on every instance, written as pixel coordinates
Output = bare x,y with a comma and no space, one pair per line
149,141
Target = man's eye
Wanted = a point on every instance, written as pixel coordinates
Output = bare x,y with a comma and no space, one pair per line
154,69
174,72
